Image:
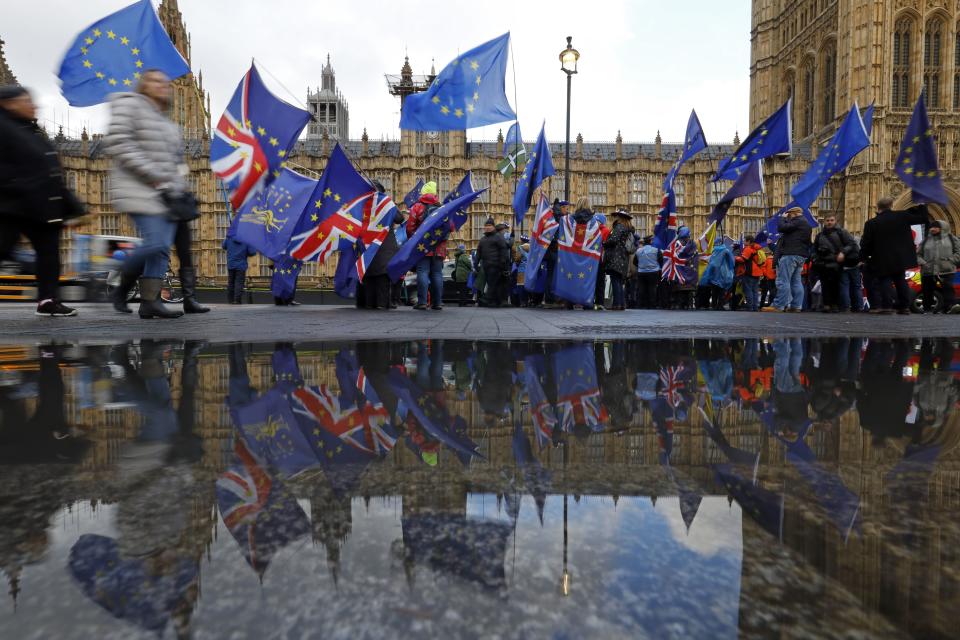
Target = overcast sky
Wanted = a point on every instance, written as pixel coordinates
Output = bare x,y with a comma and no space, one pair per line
644,64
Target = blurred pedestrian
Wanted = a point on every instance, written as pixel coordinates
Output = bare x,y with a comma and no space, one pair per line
237,254
462,267
34,199
753,259
148,171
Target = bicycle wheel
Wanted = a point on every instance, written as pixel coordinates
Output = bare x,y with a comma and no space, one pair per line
170,291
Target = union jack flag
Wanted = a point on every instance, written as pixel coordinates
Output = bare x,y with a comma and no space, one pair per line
545,225
578,260
673,263
248,486
672,384
377,216
253,138
666,228
345,225
365,429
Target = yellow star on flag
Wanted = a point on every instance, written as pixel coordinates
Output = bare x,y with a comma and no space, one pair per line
435,99
257,166
421,248
336,197
127,82
327,193
124,40
139,64
88,41
320,235
83,50
282,152
97,33
313,217
916,139
100,75
478,81
231,131
135,51
908,170
445,110
476,96
111,35
474,65
470,108
112,82
87,64
261,131
458,112
274,142
136,74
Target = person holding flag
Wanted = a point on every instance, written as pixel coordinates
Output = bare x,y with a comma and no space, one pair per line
430,266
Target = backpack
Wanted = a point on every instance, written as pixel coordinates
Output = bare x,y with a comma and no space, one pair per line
760,257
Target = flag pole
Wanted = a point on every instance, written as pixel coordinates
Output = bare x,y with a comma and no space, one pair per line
516,107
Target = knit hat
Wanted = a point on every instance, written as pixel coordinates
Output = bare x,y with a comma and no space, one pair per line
429,189
683,232
462,247
489,222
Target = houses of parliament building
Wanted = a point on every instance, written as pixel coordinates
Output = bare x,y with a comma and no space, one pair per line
824,54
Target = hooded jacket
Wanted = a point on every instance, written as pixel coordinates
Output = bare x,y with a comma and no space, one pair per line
418,213
939,255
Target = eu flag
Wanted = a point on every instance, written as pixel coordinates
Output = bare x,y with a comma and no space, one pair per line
431,233
271,432
411,198
469,92
335,219
693,143
267,222
253,138
750,181
851,138
771,138
534,173
917,163
112,53
283,284
465,187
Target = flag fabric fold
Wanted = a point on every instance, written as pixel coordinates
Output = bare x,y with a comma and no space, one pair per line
112,53
750,181
772,137
253,138
467,93
578,261
534,173
694,141
544,230
917,163
413,195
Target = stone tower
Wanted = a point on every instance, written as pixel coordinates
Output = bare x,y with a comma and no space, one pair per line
827,54
6,76
329,107
191,104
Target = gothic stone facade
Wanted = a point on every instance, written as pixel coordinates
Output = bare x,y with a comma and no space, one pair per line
827,54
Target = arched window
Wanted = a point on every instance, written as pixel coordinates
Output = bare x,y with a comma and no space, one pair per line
956,70
828,90
808,97
933,61
902,39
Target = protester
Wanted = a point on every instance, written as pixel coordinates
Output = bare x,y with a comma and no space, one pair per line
617,249
376,281
677,292
582,217
462,267
147,152
768,284
493,260
237,254
752,259
505,281
518,295
717,277
834,248
649,261
34,199
600,285
793,249
887,248
560,209
430,267
939,257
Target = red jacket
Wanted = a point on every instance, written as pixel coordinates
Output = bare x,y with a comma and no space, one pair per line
418,213
748,257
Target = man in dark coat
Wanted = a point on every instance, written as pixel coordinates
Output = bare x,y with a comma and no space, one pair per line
376,281
833,249
34,199
793,250
887,248
493,257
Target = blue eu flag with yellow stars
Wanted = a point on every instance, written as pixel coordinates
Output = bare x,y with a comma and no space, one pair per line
851,138
111,54
917,163
539,167
771,138
266,223
468,92
465,187
283,284
693,143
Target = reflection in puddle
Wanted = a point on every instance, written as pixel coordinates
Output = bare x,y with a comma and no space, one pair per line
690,488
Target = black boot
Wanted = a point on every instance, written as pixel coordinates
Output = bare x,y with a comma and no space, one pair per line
150,304
188,285
123,290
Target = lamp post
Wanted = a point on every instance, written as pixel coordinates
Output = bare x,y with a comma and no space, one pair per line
568,63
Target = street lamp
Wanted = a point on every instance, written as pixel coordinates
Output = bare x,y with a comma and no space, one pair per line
568,63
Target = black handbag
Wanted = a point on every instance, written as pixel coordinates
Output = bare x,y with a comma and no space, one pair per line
181,207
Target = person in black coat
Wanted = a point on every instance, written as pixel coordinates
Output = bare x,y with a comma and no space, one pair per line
493,257
376,281
887,248
34,199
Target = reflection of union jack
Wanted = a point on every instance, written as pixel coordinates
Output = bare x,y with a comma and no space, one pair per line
364,429
344,225
545,225
673,386
246,167
248,483
544,422
581,408
378,213
581,239
673,263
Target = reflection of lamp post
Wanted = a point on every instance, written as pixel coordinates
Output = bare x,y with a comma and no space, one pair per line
566,578
568,63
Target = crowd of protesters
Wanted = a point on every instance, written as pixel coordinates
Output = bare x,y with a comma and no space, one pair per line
832,270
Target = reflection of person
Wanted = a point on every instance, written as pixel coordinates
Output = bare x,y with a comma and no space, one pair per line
34,200
884,397
789,396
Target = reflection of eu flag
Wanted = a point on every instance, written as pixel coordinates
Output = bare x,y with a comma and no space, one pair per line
267,221
112,53
411,198
469,92
693,143
537,169
270,431
432,232
578,394
762,505
917,163
253,138
851,138
772,137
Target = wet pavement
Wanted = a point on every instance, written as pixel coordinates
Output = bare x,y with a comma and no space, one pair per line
685,488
